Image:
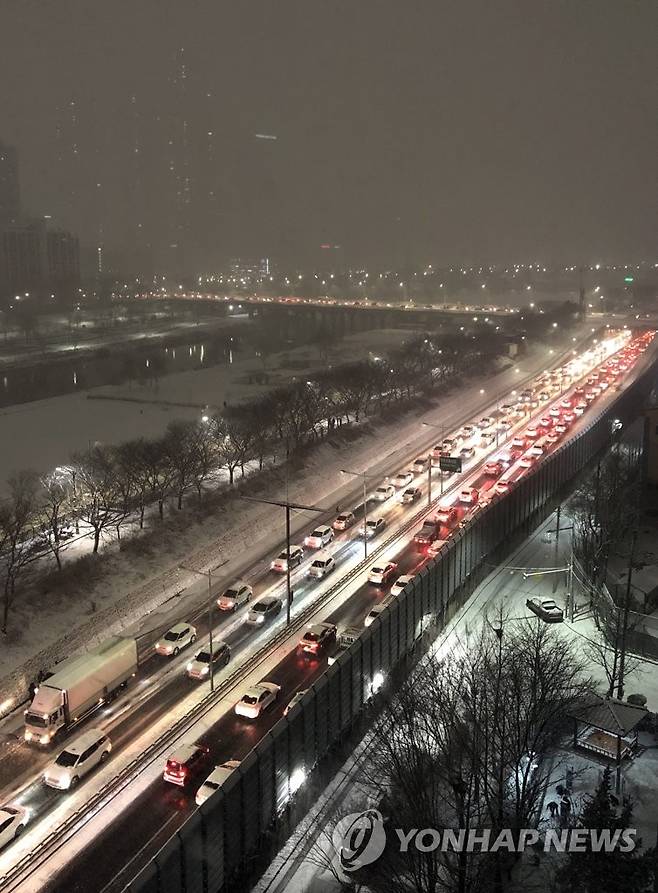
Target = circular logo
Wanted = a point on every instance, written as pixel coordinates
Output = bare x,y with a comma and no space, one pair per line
359,839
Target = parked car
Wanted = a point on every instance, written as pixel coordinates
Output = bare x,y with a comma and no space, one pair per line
199,666
186,763
264,609
179,636
411,494
403,478
381,574
344,521
320,537
384,492
257,699
236,595
294,559
215,780
79,757
13,820
317,637
546,609
322,565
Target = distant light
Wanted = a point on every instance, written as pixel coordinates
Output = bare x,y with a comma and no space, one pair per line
265,136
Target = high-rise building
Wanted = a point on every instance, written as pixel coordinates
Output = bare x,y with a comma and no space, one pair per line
9,191
38,260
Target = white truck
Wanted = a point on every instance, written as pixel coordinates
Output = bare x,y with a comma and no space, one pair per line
78,686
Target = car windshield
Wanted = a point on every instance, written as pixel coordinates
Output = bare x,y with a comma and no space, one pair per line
318,564
260,608
33,719
372,523
203,657
283,555
171,636
319,532
378,570
213,785
311,636
67,759
249,699
230,593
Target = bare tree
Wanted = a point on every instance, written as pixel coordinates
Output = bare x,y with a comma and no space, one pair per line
101,502
17,545
51,520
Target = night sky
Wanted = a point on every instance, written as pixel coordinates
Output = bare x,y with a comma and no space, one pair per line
473,130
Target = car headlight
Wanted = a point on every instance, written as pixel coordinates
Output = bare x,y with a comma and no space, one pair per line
189,667
28,735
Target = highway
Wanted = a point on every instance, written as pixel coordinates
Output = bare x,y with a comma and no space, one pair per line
155,809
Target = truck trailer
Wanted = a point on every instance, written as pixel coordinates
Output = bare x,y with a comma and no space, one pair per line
78,687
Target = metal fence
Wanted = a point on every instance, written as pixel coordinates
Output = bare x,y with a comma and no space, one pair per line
215,850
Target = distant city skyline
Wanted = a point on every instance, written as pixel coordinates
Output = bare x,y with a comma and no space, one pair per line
177,142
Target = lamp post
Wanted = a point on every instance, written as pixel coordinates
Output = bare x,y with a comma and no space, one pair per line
365,476
442,429
287,506
208,575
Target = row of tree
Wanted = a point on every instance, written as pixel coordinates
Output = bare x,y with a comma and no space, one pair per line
107,487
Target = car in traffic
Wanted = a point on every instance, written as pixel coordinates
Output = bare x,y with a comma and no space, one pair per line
199,666
502,487
560,429
467,431
527,460
13,820
375,526
531,433
319,538
322,565
344,521
383,492
493,468
485,423
435,547
546,609
400,583
468,496
264,609
375,611
179,636
403,478
467,452
518,443
554,412
215,780
237,594
421,464
257,699
410,495
317,637
568,417
296,698
446,515
381,574
285,559
186,763
79,757
546,422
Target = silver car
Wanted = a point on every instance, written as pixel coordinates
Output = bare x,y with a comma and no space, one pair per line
78,758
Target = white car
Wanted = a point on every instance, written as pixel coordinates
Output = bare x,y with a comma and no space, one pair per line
374,613
320,537
504,425
237,594
281,562
485,423
257,699
554,412
296,698
344,520
263,610
467,431
79,756
466,453
546,609
435,547
468,496
13,820
179,636
400,583
420,465
214,781
321,566
384,492
380,574
403,478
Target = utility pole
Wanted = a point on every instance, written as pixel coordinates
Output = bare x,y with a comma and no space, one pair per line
287,506
365,476
208,575
624,625
557,543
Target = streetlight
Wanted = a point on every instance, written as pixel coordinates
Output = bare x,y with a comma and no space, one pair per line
207,574
287,506
365,476
442,429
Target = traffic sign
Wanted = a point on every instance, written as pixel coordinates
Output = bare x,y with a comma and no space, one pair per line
451,463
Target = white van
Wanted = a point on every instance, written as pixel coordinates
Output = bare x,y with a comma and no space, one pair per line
80,756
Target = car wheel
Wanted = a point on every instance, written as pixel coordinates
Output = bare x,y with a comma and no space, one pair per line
19,831
74,781
192,640
176,651
104,755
